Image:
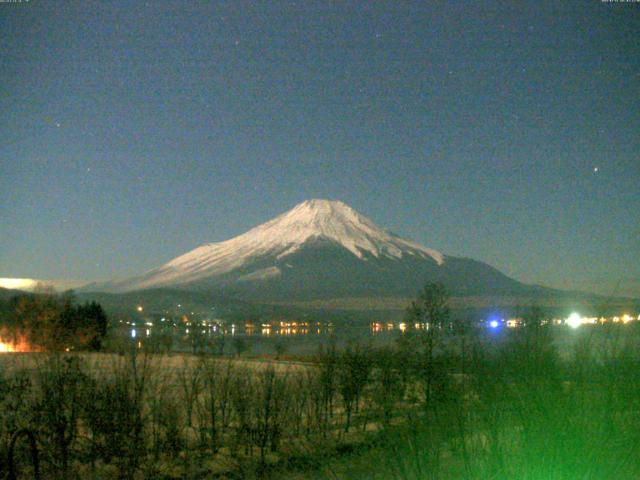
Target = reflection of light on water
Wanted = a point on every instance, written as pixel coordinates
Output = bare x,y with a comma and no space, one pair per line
303,328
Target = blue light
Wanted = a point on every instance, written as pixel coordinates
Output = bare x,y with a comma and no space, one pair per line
494,324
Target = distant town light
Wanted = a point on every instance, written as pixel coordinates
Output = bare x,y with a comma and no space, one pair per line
494,324
139,308
133,333
574,320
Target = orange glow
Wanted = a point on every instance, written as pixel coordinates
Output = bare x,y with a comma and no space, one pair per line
20,345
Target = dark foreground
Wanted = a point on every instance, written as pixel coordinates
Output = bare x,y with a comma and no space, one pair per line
429,406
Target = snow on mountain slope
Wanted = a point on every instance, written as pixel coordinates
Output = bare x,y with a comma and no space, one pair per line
282,236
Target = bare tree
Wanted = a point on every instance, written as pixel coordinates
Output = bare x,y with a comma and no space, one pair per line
61,382
431,311
190,380
269,409
215,405
388,382
327,361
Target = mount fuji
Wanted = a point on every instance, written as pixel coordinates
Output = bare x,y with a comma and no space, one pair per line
319,249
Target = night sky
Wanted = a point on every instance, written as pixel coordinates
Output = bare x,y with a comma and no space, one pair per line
132,132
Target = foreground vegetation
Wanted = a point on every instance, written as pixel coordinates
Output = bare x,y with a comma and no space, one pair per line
506,407
444,402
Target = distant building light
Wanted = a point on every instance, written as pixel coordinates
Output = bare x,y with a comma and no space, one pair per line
574,320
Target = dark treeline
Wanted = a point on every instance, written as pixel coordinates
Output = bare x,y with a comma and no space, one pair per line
52,322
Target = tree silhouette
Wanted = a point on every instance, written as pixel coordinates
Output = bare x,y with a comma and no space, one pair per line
431,311
55,323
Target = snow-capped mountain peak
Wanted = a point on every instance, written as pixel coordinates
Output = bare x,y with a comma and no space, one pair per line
316,219
334,220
